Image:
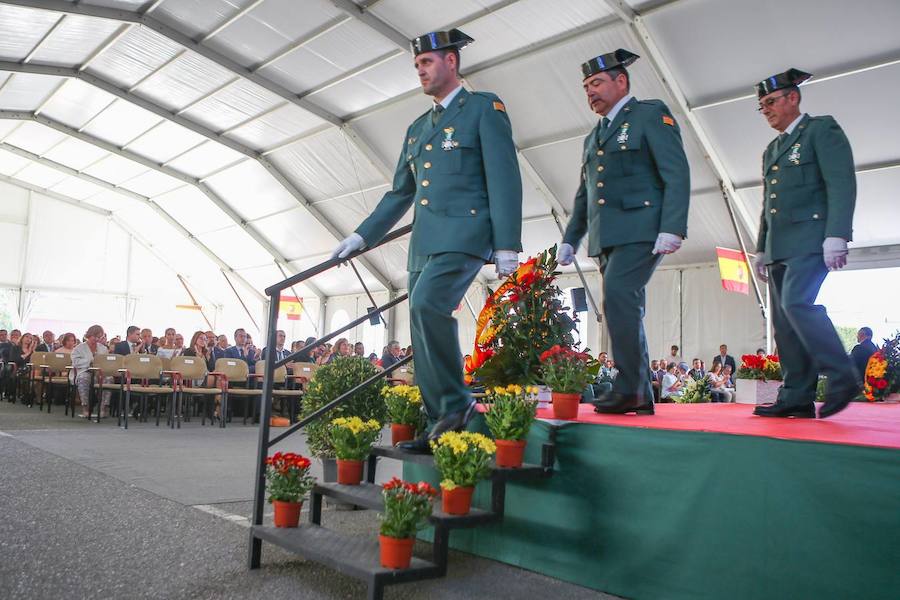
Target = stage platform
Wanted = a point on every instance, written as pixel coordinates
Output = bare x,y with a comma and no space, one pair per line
707,501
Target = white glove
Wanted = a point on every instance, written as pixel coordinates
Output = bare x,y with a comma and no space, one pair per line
348,245
506,262
759,263
834,250
566,254
666,243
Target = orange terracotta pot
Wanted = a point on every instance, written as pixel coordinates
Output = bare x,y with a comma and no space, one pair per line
457,501
396,553
510,453
565,406
402,433
287,514
349,472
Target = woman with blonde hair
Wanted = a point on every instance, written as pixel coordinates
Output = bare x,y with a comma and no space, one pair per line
342,348
82,357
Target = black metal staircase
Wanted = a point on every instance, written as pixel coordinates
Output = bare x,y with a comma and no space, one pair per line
358,556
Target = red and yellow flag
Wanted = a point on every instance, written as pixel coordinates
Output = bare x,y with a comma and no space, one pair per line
291,307
734,270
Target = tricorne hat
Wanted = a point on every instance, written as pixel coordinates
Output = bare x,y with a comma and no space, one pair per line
605,62
440,40
790,78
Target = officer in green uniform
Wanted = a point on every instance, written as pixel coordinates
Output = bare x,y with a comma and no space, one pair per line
459,171
809,184
632,202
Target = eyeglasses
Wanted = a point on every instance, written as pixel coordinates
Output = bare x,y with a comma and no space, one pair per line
769,102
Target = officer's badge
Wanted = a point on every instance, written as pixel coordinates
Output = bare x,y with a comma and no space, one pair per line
449,143
794,156
623,134
411,141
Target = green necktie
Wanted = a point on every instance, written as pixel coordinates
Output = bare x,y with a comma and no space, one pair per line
436,113
604,125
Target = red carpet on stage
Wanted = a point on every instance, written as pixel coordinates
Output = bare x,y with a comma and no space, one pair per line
860,424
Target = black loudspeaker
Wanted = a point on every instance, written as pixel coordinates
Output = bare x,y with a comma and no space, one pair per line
579,300
374,318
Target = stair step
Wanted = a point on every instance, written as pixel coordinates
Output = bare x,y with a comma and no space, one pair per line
527,472
369,495
356,556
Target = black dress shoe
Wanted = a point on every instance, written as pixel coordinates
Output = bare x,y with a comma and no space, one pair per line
621,404
835,402
419,445
780,409
455,421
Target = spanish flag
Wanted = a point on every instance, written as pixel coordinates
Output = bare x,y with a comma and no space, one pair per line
734,270
291,307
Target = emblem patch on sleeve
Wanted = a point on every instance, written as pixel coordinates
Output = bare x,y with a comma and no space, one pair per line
668,120
499,106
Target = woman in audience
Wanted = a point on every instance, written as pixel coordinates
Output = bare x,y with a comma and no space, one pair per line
179,345
717,384
167,348
342,348
670,388
323,354
20,353
82,357
68,341
200,349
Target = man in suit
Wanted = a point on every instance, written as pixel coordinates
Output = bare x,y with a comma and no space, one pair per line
632,201
132,344
280,352
459,169
863,350
241,350
48,343
809,185
147,345
724,359
391,354
221,348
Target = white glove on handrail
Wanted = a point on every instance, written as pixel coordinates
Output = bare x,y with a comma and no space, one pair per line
666,243
565,255
506,262
348,245
834,251
759,264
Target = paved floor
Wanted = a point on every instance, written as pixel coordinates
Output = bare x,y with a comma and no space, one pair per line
90,511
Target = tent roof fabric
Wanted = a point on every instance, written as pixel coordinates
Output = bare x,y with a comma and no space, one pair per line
267,129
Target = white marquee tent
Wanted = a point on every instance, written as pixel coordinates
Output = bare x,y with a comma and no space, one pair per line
232,142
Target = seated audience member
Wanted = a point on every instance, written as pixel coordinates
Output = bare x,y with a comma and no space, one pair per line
82,357
20,353
655,378
242,349
280,353
670,388
760,352
724,358
4,344
862,351
132,344
200,349
48,344
392,355
727,378
68,341
719,390
220,347
611,368
373,358
167,348
409,350
359,349
697,372
342,349
210,339
179,344
149,345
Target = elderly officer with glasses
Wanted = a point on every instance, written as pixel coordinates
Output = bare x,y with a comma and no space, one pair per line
809,196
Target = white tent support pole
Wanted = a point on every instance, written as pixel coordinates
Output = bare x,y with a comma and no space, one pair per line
302,304
323,304
26,242
241,300
230,20
49,97
313,35
44,38
8,80
106,45
127,283
12,131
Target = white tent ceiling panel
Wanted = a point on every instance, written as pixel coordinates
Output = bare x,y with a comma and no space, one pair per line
326,165
265,275
205,159
251,191
121,123
21,29
708,226
350,45
74,153
429,15
877,197
275,127
13,236
134,56
190,207
26,91
380,83
196,17
301,70
77,188
153,183
14,208
116,170
268,28
76,102
166,141
232,106
295,234
236,247
559,166
116,202
40,175
338,281
537,236
385,129
35,138
184,81
11,163
7,125
749,58
65,46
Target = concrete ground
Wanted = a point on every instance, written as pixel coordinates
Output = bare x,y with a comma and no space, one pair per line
91,511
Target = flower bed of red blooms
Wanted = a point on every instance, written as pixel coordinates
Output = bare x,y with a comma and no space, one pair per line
282,462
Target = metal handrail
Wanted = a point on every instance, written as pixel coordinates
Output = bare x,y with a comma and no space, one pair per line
274,293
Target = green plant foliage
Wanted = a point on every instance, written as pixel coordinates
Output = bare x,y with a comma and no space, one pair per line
509,414
696,391
329,382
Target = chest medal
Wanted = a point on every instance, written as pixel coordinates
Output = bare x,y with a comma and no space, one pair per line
448,142
794,156
623,134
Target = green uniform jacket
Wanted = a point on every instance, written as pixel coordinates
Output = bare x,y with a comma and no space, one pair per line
462,175
809,187
635,180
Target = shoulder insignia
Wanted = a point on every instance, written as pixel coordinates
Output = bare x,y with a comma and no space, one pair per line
499,106
667,120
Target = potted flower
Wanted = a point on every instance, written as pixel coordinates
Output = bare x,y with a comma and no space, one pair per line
407,507
404,408
695,391
463,458
510,412
757,379
567,372
352,439
287,480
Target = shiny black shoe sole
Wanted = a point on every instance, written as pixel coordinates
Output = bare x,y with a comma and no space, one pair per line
789,414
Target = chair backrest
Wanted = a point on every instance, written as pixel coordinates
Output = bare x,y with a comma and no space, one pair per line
280,372
234,369
405,374
304,369
166,363
143,366
108,363
57,361
190,367
38,358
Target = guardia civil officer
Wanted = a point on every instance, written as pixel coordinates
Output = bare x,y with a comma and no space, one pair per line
458,169
632,202
809,184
